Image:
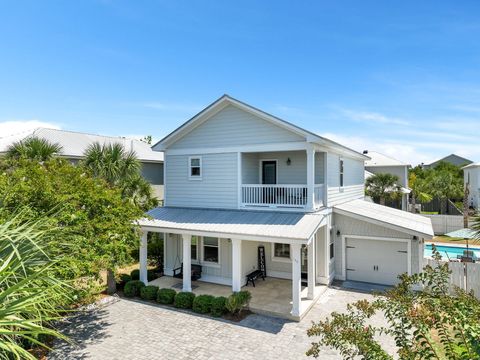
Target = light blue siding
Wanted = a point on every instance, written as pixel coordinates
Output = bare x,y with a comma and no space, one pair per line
354,178
232,126
218,187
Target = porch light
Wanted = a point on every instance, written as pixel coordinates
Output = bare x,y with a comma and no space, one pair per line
338,232
289,161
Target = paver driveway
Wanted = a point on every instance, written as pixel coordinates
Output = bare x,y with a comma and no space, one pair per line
134,330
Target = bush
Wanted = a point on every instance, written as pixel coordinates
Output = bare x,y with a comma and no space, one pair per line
166,296
135,275
149,292
218,306
133,288
238,301
202,304
123,279
184,300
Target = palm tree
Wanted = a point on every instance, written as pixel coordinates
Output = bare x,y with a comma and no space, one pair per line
419,189
383,186
445,185
34,148
31,298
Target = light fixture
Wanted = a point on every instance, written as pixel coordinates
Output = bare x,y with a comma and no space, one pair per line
338,232
415,238
289,161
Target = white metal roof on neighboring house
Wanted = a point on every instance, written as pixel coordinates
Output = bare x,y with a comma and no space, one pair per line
385,216
378,159
472,165
243,224
74,144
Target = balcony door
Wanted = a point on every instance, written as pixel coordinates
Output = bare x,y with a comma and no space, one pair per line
269,171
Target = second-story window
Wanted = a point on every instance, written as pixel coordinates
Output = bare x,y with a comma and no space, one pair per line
341,172
195,167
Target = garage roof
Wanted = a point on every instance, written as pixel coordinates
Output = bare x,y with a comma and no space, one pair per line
399,220
243,224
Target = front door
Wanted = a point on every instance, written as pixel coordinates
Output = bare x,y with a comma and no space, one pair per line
269,172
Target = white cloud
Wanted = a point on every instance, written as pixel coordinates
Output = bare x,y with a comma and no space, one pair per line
14,127
373,117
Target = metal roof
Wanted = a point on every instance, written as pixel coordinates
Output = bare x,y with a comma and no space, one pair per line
243,224
378,159
399,220
472,165
74,144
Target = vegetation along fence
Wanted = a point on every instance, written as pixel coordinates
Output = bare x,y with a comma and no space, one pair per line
464,275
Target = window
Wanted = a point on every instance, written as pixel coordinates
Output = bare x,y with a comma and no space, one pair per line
341,172
195,168
194,247
210,249
331,250
281,251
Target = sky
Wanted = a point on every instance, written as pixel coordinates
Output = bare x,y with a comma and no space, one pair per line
401,78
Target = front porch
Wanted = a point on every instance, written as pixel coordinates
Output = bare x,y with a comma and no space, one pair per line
270,297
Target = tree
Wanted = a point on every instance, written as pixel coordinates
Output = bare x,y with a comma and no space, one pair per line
100,220
426,324
147,139
420,189
33,148
383,186
476,226
31,296
445,185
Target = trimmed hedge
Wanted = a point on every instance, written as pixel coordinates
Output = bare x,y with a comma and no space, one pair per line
166,296
149,292
133,288
202,304
218,306
238,301
135,274
184,300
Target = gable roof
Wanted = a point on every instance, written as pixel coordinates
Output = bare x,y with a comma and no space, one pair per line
74,144
226,100
395,219
378,159
452,159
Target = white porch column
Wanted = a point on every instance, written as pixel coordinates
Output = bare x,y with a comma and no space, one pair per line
143,258
310,177
296,278
187,263
236,265
311,262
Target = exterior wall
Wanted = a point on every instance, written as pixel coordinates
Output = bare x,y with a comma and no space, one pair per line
354,178
232,126
350,226
473,174
153,172
400,171
216,189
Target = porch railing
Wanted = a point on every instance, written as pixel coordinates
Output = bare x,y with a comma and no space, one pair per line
278,195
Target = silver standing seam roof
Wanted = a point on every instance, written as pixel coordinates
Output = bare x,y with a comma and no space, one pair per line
399,220
246,224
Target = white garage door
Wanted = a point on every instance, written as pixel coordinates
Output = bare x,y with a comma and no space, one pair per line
375,261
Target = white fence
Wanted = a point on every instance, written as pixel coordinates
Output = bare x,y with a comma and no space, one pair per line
443,224
464,275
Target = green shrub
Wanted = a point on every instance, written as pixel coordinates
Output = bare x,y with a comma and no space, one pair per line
149,292
202,304
218,306
238,301
133,288
184,300
123,279
151,275
135,274
166,296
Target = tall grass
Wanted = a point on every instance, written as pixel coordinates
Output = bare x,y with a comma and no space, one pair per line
31,297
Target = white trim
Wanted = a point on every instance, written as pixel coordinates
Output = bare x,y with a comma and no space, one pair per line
239,179
376,238
211,264
280,259
195,177
260,171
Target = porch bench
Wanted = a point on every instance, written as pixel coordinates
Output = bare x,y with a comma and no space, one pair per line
196,272
254,275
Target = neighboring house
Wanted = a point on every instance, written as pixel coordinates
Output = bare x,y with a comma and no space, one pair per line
380,163
74,145
451,159
239,181
471,176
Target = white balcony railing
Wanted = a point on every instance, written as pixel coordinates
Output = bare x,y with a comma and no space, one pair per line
278,195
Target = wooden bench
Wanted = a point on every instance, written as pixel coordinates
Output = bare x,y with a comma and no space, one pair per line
254,275
196,272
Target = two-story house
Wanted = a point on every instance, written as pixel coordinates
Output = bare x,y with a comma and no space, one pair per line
246,191
471,177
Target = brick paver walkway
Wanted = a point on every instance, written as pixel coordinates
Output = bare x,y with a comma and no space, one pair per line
135,330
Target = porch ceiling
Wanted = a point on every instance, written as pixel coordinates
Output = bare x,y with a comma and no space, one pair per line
246,225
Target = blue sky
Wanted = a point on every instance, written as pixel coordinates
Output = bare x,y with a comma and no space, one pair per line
401,77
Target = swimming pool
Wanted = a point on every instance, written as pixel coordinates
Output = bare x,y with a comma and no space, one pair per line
450,251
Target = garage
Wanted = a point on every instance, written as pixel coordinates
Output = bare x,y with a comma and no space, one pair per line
375,260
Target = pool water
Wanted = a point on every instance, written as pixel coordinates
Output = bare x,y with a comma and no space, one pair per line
450,252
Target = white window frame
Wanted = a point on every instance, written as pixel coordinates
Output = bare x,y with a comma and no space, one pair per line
341,172
281,259
260,170
197,260
195,177
210,263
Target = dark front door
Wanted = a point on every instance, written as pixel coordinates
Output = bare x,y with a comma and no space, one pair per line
269,172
